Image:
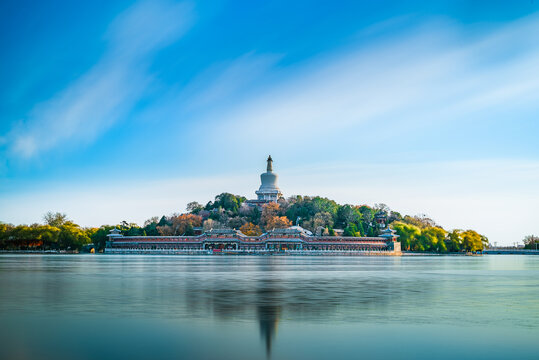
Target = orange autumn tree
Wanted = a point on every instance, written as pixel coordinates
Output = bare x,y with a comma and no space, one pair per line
278,222
250,229
181,225
269,211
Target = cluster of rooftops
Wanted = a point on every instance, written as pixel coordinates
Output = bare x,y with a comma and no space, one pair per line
387,235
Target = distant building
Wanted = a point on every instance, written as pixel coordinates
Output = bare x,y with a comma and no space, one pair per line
268,191
381,219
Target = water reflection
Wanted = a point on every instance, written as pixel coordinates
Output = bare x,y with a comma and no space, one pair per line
268,317
268,290
296,306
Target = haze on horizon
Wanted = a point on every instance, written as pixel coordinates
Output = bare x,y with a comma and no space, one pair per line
125,110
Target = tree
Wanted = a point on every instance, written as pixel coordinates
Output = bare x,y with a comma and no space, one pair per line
421,221
5,234
71,236
472,241
351,230
394,216
433,239
408,235
211,224
194,207
182,223
164,221
236,222
278,222
454,241
381,208
346,215
152,220
365,226
189,230
531,242
269,211
320,220
150,226
227,202
250,229
48,235
133,230
325,205
166,230
55,219
99,237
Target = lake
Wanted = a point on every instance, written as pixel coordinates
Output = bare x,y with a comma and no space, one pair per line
268,307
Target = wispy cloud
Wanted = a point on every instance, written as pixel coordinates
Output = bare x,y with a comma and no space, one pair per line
435,72
110,89
228,80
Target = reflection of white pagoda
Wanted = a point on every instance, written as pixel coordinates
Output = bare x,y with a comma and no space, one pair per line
268,191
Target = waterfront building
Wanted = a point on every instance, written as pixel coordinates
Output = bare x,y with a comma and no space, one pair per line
293,240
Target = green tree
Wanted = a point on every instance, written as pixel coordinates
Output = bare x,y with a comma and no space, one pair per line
394,216
194,207
454,243
472,241
433,239
48,235
133,230
150,226
55,219
351,230
5,234
307,208
72,237
408,233
99,237
227,201
347,214
164,221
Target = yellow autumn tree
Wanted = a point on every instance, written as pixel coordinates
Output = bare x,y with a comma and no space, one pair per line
250,229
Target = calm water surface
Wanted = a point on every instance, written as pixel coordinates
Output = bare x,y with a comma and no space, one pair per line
179,307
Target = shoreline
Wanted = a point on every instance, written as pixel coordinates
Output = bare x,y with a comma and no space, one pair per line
313,253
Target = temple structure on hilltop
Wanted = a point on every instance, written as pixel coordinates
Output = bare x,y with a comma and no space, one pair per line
268,191
293,240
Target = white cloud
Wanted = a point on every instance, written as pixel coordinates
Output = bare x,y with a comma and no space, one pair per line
434,73
111,88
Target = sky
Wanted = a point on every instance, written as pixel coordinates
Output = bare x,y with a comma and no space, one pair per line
124,110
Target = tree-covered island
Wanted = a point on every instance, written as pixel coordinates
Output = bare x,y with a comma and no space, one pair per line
322,216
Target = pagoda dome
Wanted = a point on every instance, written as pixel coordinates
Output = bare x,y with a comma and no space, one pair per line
269,181
268,188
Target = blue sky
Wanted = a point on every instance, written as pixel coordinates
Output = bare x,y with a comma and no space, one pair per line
123,110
